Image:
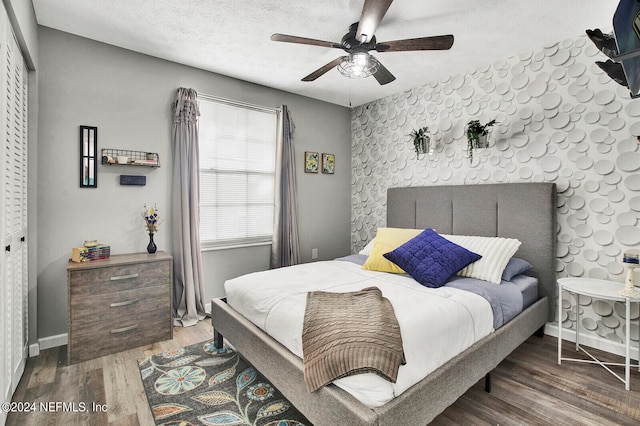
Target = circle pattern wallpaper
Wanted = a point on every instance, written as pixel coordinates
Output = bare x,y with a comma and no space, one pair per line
559,118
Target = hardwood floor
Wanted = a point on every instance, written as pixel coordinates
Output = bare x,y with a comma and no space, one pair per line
111,382
528,388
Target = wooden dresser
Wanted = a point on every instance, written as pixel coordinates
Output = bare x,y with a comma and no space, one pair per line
118,304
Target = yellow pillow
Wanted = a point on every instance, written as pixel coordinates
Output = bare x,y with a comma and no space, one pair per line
388,239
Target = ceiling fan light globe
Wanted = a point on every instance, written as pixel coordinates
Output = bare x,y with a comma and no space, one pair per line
358,65
361,59
359,71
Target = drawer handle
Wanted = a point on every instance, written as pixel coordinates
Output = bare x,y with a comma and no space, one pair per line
124,329
125,303
124,277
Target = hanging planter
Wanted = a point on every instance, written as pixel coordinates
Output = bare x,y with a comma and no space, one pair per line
483,141
477,136
421,141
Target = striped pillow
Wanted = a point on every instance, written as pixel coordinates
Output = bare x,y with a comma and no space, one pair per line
495,252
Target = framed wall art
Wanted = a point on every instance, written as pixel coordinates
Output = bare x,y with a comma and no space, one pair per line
88,157
311,162
328,163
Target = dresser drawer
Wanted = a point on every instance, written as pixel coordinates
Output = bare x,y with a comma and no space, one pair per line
97,339
112,306
118,304
118,278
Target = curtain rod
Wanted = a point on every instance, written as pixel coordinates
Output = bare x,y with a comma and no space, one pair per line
231,102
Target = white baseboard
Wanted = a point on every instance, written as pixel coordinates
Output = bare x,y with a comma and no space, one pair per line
34,350
593,341
48,343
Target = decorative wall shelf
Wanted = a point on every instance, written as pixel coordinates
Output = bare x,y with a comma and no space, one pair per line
125,157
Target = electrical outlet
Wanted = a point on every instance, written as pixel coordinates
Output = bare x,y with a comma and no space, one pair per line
314,254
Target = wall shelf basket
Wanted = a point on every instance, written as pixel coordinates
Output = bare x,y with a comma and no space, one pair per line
125,157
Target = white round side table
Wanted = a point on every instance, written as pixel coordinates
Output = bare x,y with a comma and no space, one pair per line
598,289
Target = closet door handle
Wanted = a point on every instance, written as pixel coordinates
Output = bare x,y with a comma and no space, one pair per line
123,277
125,303
7,248
124,329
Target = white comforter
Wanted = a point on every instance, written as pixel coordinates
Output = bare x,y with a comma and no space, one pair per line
436,324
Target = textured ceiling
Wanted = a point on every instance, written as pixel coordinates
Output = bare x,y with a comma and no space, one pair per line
231,37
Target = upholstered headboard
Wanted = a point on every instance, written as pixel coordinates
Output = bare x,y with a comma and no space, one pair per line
526,211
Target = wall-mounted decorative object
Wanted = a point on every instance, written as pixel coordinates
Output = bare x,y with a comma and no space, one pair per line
88,153
127,157
477,136
311,162
421,141
133,180
328,163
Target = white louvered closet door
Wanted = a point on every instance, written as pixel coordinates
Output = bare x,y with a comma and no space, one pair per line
5,232
17,135
13,219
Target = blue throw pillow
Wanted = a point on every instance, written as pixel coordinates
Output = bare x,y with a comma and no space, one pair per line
514,267
431,259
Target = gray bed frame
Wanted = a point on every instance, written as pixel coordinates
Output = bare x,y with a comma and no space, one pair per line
526,211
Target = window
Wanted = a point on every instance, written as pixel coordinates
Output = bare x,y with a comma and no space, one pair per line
237,173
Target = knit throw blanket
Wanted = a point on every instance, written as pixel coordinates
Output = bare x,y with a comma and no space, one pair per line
350,333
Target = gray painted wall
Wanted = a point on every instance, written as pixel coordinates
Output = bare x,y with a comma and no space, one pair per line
128,96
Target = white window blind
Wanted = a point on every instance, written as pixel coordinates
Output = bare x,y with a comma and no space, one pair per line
237,173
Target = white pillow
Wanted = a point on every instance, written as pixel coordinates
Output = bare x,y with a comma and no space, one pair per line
495,252
367,249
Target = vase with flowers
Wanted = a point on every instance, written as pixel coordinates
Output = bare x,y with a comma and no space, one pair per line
151,222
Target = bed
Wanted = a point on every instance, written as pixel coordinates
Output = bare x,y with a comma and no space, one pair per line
525,211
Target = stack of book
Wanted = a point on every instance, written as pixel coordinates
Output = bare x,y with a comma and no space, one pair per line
85,254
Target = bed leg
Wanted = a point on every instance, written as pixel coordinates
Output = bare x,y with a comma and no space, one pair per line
217,339
487,383
539,332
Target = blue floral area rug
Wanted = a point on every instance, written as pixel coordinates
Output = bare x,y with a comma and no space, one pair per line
201,385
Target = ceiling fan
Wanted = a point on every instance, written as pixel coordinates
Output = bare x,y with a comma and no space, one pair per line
360,40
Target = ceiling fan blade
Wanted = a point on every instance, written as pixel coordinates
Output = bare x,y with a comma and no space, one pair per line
324,69
304,40
383,75
443,42
372,13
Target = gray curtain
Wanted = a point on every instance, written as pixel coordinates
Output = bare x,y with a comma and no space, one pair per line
285,247
188,286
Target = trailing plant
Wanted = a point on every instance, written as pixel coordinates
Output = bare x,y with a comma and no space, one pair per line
421,140
474,130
